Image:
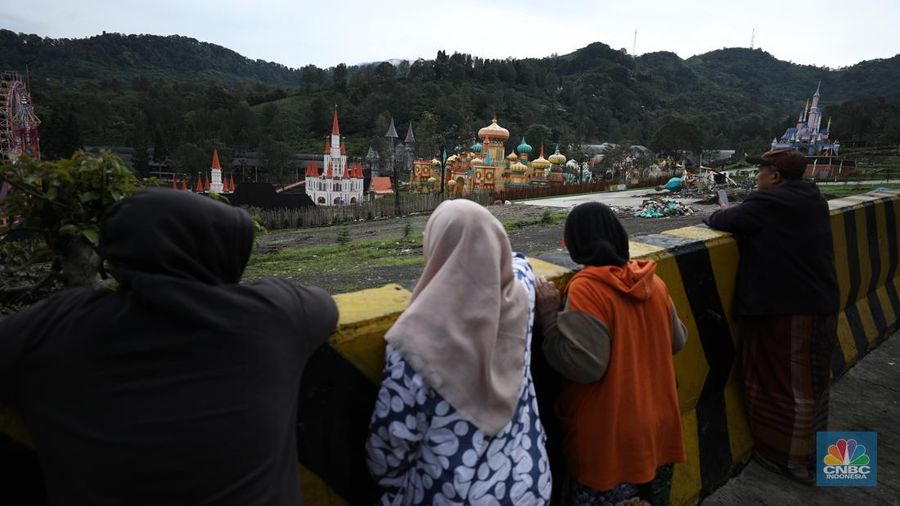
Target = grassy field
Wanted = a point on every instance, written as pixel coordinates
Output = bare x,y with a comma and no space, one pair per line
345,259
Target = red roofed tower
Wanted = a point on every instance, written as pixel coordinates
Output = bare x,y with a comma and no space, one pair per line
215,170
340,183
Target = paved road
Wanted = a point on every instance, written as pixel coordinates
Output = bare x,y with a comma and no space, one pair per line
867,398
625,198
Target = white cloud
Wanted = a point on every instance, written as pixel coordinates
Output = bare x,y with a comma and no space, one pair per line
829,32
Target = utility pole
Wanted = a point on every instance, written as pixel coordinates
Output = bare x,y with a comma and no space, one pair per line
752,38
634,45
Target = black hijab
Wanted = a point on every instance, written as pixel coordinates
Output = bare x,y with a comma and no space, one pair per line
594,236
175,234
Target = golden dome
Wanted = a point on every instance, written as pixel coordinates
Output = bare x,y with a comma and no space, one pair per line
432,180
451,183
435,162
518,167
557,158
512,156
494,131
540,163
452,159
477,161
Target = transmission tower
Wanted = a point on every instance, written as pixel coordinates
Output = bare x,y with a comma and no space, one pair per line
752,38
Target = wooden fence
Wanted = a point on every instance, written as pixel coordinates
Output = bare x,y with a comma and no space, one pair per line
371,210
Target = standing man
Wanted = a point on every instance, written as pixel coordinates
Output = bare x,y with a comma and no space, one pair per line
179,387
786,301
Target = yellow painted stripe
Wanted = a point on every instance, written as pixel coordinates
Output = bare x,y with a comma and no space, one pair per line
840,204
365,316
863,197
13,426
862,245
690,364
316,491
641,250
697,233
548,270
868,321
839,242
890,318
686,476
845,339
724,257
882,236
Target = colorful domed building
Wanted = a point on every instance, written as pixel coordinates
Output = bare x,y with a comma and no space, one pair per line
486,167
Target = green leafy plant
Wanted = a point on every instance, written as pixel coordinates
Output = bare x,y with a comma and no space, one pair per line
61,203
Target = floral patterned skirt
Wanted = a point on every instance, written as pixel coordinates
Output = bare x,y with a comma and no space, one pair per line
655,492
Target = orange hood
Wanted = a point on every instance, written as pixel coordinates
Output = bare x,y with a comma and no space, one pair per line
634,279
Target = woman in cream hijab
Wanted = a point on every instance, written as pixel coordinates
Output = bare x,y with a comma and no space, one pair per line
456,421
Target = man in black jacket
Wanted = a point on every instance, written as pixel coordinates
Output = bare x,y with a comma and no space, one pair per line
786,300
179,387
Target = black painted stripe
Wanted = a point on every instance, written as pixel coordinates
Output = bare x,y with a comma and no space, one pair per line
336,403
715,337
838,364
21,480
872,233
857,331
851,237
892,238
670,242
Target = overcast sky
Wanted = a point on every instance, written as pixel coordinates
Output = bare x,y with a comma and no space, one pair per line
295,33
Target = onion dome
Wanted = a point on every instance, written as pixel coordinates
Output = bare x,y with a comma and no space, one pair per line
524,147
518,168
432,180
477,161
512,156
540,162
494,131
557,158
458,149
435,162
476,148
451,183
452,159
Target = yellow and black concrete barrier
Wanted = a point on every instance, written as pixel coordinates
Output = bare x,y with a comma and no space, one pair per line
699,267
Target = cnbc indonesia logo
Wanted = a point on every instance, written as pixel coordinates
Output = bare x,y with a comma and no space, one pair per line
847,462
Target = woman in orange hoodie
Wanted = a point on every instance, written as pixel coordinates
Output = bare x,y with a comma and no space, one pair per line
613,342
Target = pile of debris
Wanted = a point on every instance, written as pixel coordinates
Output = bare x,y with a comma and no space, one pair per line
661,208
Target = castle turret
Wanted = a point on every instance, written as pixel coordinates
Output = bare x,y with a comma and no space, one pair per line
215,170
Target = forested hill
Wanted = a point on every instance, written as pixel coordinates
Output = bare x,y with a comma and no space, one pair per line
184,98
125,57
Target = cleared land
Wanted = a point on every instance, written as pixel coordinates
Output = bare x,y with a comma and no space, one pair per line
367,254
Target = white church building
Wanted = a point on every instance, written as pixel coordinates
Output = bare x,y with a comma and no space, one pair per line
340,183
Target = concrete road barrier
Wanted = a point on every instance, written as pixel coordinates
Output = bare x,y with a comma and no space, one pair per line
698,265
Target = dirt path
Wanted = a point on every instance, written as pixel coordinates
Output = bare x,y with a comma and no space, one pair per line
524,224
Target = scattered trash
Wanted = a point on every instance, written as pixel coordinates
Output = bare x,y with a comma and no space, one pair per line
675,184
660,208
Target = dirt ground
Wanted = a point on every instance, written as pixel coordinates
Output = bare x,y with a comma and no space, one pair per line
526,232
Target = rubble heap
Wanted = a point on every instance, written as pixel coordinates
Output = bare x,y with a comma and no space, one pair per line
660,208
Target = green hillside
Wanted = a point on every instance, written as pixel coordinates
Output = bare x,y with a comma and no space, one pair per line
185,97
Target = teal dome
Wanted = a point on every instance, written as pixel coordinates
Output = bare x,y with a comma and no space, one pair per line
476,148
524,147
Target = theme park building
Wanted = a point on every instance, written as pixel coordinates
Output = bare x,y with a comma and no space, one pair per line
339,182
485,166
809,138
